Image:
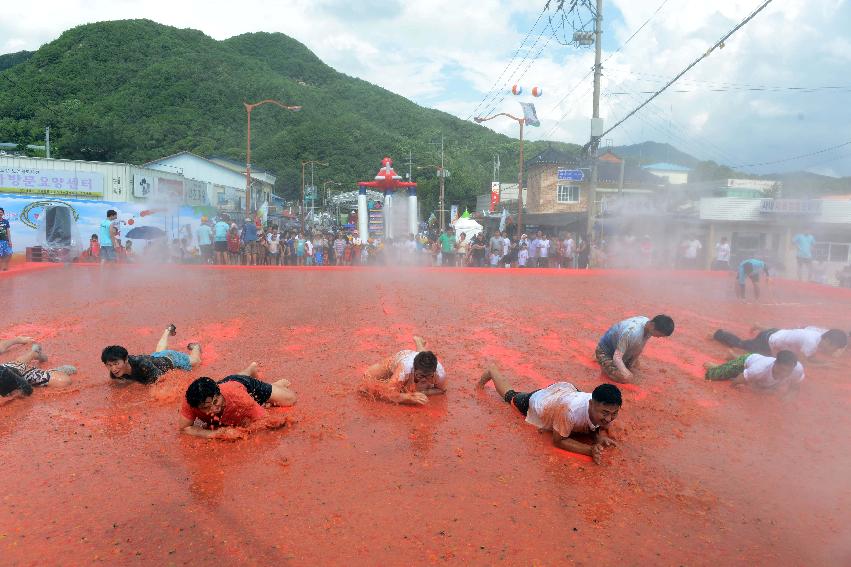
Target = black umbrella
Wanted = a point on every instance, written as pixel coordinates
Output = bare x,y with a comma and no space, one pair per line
145,233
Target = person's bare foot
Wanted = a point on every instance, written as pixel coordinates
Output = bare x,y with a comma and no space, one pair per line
486,377
708,365
172,330
284,383
36,348
252,369
66,369
24,340
193,346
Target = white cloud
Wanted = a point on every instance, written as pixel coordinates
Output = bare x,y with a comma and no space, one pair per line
446,54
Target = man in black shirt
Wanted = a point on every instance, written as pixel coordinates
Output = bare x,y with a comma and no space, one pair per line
147,369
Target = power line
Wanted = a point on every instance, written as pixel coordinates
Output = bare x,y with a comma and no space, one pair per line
591,71
793,158
690,66
510,62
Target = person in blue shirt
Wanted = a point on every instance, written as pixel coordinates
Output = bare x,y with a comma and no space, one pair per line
108,237
619,349
249,237
750,269
205,241
220,232
5,241
804,253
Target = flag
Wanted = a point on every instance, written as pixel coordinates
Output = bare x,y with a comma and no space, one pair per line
503,220
529,114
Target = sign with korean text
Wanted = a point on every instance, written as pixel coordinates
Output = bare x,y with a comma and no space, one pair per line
33,181
570,175
791,206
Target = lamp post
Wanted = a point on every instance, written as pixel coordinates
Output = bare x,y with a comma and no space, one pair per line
327,193
521,122
248,109
303,163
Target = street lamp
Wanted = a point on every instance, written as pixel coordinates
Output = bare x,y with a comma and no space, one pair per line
248,109
327,194
521,122
303,163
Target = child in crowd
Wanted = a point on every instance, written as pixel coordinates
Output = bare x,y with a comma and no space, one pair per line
763,372
407,377
564,410
22,374
234,402
523,256
148,369
619,349
810,342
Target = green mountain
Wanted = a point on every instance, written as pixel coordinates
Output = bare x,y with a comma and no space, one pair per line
136,90
646,153
11,59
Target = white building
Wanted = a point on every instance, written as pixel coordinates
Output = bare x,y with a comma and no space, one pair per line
764,228
675,174
223,181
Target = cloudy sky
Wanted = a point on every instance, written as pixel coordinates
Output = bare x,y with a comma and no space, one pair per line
777,90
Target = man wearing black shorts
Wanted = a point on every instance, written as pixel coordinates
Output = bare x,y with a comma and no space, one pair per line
234,402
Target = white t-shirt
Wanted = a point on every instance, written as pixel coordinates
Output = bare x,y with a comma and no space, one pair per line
308,247
692,248
803,342
569,246
533,248
560,408
522,257
274,240
543,248
506,246
722,252
403,371
759,371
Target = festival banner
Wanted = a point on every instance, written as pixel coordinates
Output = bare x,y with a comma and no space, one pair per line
50,181
494,195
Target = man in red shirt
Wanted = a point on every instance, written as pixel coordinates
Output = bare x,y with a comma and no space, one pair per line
231,407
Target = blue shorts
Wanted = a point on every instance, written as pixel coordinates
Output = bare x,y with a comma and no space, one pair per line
5,248
179,359
107,253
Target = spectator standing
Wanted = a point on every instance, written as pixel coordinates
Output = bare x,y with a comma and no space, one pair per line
205,241
690,253
220,244
339,249
543,251
273,239
108,238
448,245
234,245
804,253
722,255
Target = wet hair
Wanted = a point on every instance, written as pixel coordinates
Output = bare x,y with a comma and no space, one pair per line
663,324
111,213
608,394
11,380
786,358
425,361
201,389
113,353
836,337
2,210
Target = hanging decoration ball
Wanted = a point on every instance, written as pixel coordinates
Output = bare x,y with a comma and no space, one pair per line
516,90
537,91
130,221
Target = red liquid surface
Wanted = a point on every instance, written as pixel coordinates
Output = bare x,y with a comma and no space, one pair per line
705,474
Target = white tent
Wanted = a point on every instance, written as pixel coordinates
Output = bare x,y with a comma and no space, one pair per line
468,226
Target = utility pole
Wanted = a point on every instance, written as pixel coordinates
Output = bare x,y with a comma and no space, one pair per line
47,141
596,130
442,187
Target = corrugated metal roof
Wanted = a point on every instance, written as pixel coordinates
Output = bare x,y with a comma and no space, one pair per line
663,166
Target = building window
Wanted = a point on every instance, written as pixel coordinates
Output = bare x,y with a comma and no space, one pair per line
567,194
831,252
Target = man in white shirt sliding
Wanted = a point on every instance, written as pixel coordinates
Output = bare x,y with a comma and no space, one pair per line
408,377
564,410
762,372
812,343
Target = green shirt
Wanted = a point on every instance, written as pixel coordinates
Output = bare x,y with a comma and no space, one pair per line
447,242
